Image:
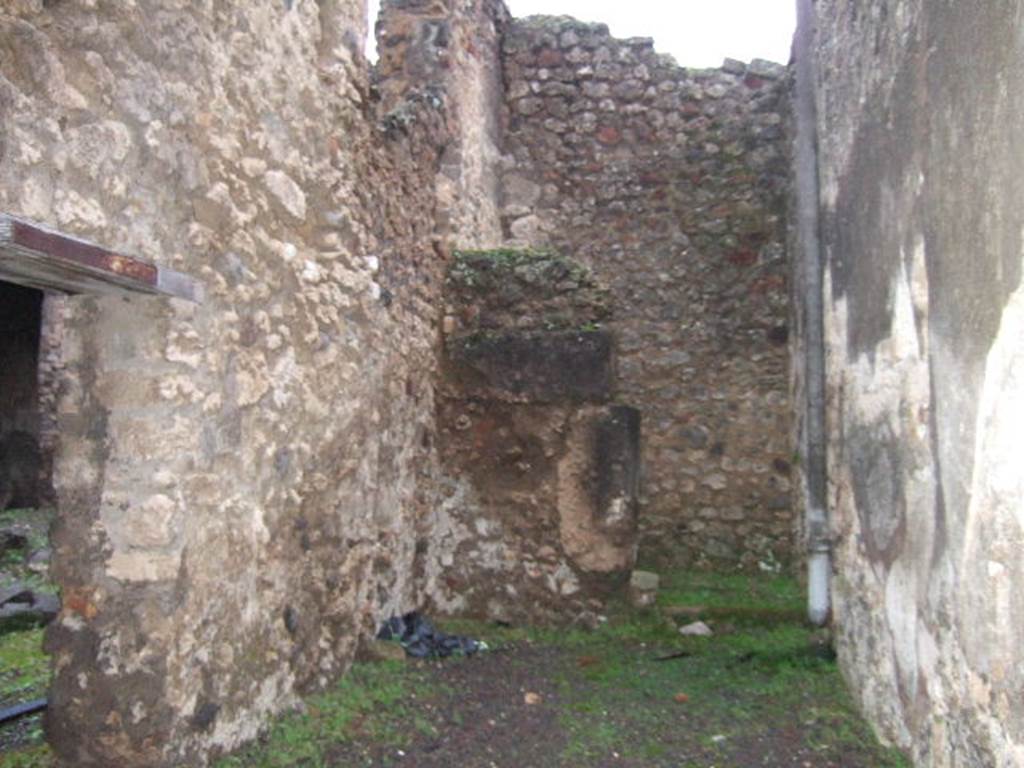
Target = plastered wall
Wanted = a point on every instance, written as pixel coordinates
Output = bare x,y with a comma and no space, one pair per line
542,517
921,188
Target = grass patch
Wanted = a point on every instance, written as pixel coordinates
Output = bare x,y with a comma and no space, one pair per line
634,689
368,703
760,674
24,668
731,592
38,756
24,675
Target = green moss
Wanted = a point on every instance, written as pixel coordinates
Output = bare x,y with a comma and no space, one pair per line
472,269
527,289
506,256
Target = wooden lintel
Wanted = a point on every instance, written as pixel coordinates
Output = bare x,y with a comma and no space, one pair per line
38,257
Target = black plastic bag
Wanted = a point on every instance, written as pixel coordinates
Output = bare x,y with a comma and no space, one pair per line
422,640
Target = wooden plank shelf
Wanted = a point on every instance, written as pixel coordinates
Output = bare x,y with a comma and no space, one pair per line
37,257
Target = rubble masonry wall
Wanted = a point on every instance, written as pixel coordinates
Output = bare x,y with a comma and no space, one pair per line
246,485
671,184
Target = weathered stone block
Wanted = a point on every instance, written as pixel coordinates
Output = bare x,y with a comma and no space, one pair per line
643,588
550,472
552,505
532,367
598,488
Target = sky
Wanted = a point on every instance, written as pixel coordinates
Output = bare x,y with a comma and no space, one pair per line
698,33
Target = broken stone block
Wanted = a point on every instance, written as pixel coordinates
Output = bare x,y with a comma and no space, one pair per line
39,561
46,605
767,69
16,593
598,484
643,588
19,602
734,66
696,629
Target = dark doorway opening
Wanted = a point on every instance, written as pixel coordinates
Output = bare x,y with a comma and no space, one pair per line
21,463
27,598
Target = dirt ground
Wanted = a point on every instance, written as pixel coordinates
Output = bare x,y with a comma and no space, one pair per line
763,691
486,717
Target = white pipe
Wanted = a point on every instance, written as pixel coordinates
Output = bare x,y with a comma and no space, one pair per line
805,165
819,602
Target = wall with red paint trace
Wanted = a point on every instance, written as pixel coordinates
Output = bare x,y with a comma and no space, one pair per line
670,183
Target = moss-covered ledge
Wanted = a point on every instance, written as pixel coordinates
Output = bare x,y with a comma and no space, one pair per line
534,290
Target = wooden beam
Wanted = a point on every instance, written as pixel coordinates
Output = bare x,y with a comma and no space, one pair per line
38,257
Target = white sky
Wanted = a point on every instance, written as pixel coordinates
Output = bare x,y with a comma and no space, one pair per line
698,33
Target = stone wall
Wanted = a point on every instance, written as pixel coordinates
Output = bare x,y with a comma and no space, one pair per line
450,50
545,470
249,485
49,376
245,486
671,185
922,178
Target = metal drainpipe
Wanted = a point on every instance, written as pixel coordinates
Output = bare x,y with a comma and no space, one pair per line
819,550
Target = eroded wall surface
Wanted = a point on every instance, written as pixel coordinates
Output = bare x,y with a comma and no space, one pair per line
922,180
451,50
671,185
245,485
542,510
